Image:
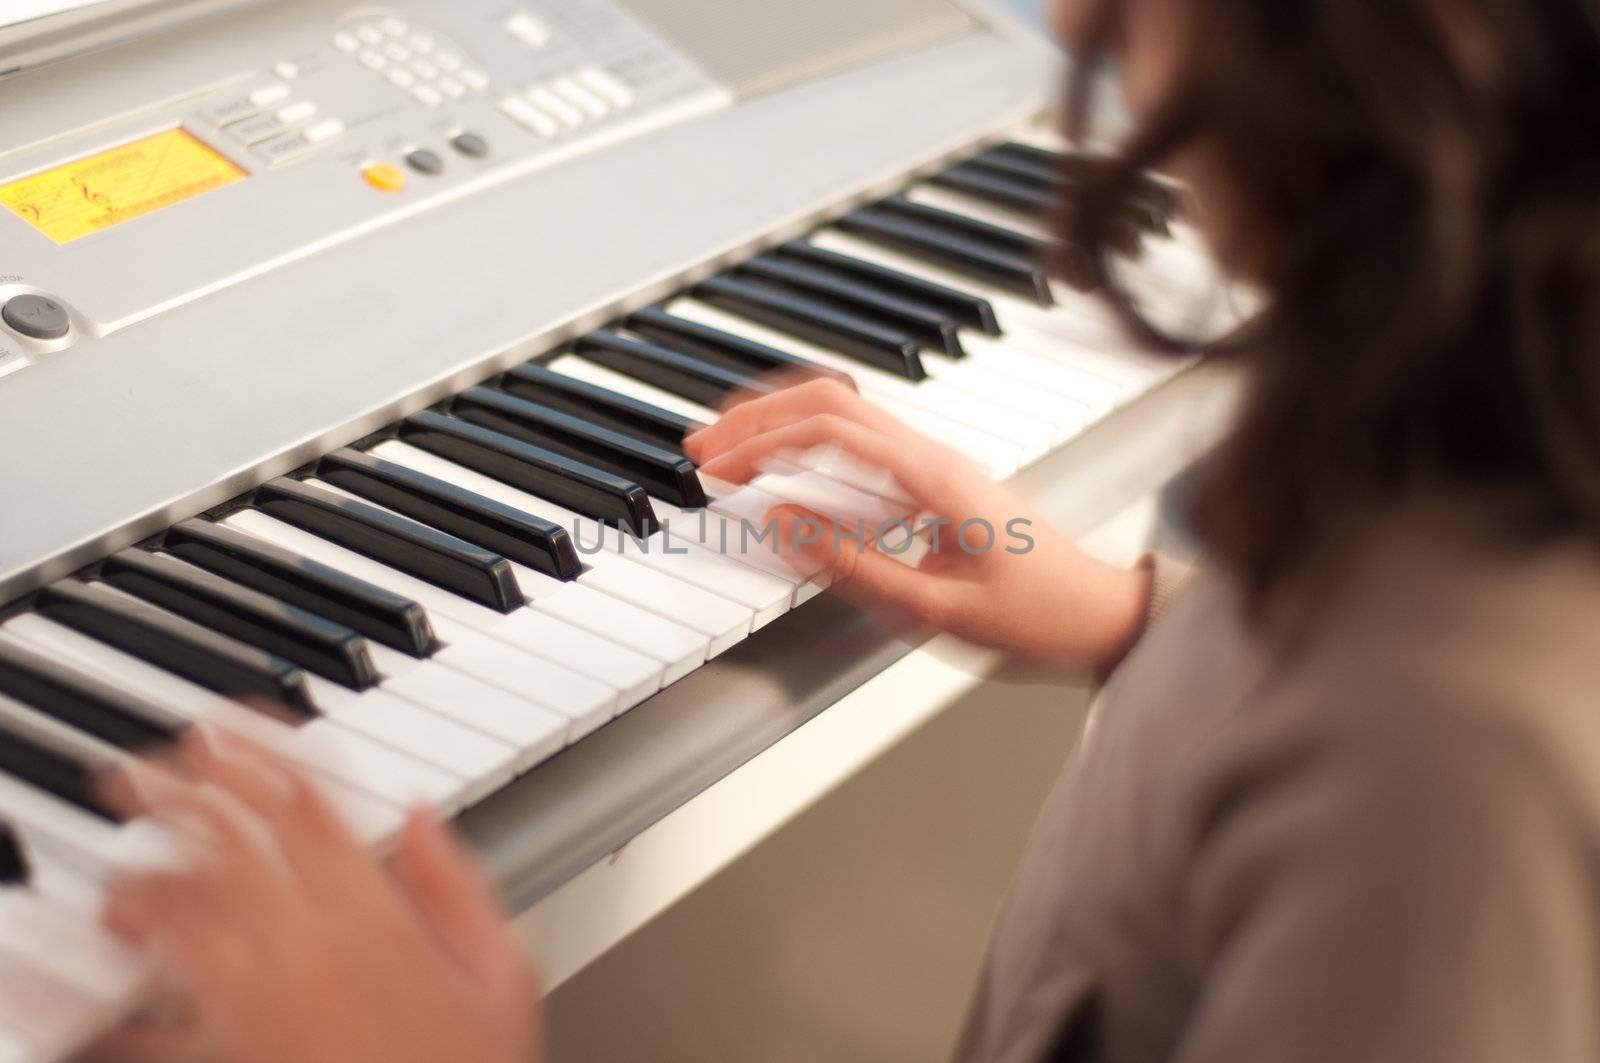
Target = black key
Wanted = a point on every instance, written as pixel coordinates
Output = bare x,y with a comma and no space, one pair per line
1004,269
579,487
395,621
929,325
1038,173
723,348
1152,204
444,560
181,646
664,473
67,768
599,406
972,311
13,861
532,540
961,225
85,702
849,334
669,370
999,189
324,647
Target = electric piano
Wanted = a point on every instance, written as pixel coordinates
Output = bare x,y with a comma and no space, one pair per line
338,343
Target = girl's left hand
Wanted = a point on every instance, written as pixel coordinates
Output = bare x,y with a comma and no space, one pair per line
287,940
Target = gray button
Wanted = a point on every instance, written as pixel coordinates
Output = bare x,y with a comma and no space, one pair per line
424,161
37,316
470,144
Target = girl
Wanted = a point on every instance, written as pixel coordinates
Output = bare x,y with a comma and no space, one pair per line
1343,801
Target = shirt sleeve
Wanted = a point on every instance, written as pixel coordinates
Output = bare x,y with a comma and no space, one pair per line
1168,580
1410,887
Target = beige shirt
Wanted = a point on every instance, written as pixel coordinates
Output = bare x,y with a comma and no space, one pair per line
1381,846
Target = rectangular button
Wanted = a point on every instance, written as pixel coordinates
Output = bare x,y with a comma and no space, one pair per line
255,130
224,114
284,148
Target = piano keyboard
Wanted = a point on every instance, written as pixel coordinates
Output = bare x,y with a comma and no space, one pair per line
452,601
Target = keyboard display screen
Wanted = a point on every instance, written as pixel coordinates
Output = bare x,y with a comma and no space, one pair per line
110,187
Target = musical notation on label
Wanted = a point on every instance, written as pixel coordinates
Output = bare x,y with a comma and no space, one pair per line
99,191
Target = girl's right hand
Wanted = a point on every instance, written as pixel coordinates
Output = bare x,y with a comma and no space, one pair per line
1032,593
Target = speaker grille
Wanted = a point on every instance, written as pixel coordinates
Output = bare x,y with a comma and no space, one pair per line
758,47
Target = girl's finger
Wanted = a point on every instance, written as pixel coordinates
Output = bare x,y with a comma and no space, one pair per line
861,572
825,396
449,894
921,468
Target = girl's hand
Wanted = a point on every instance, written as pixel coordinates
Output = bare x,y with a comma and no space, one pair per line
287,940
1032,593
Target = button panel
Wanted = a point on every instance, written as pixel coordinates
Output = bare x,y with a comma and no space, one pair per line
570,102
417,61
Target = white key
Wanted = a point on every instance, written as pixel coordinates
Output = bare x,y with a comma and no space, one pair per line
1064,416
1095,394
470,765
532,730
726,537
585,702
537,679
59,941
643,574
725,623
1031,437
61,880
636,675
344,781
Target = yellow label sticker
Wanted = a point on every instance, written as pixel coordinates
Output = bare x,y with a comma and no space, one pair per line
111,187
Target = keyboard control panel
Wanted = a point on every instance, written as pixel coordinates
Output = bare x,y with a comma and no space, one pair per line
301,126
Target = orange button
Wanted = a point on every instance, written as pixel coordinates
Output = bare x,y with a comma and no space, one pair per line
384,178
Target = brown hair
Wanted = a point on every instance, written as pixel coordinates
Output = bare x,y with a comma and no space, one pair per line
1417,187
